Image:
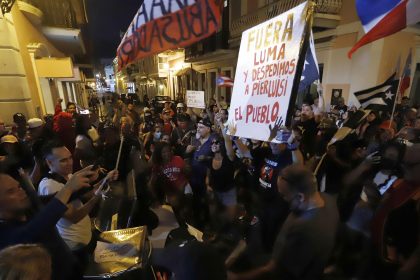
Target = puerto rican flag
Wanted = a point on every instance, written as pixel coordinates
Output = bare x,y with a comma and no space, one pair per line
405,79
224,81
381,18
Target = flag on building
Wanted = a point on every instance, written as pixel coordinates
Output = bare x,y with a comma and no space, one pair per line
170,24
381,18
406,75
224,81
381,97
310,69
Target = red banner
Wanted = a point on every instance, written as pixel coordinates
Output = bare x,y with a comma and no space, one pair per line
148,35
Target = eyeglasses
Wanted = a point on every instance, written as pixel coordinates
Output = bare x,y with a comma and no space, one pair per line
215,142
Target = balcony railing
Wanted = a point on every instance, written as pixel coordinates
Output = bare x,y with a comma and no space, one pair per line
32,2
57,13
267,12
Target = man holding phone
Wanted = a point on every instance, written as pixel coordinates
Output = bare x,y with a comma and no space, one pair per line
17,227
75,226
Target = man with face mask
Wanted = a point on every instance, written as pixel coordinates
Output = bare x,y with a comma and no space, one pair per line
306,240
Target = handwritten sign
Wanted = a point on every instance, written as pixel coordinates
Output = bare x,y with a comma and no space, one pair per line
266,68
195,99
163,25
109,252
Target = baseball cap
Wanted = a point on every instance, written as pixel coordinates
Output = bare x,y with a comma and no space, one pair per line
205,122
34,123
180,105
8,139
182,118
18,117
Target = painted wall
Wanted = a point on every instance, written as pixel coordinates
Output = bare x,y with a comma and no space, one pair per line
18,91
371,65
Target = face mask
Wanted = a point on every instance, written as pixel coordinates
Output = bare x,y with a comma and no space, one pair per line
295,206
157,135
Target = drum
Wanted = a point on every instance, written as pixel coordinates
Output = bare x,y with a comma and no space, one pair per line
120,254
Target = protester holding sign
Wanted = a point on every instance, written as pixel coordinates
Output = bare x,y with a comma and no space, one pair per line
265,73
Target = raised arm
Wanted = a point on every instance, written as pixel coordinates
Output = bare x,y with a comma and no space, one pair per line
228,141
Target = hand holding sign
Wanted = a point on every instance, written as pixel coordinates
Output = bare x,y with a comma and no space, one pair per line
266,72
275,128
232,128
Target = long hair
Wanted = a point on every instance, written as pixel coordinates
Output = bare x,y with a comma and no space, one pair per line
157,153
221,145
25,262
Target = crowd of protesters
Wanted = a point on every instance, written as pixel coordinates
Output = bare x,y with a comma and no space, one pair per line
320,204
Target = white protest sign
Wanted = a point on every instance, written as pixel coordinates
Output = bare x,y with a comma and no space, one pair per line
195,99
266,68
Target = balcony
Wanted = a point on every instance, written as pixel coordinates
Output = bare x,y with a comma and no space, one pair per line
57,19
58,13
31,10
326,15
54,13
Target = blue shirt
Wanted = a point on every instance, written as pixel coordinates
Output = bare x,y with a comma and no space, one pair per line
199,167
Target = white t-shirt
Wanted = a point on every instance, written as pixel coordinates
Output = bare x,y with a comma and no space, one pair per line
76,235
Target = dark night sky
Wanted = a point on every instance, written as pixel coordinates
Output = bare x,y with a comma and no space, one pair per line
106,19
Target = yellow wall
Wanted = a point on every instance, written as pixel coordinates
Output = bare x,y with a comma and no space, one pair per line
348,12
26,34
397,45
18,91
54,67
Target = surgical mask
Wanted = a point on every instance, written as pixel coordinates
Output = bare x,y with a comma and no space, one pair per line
157,135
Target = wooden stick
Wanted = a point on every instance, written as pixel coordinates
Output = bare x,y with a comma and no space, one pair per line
395,101
119,153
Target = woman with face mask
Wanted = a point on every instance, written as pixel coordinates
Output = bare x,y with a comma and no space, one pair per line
152,139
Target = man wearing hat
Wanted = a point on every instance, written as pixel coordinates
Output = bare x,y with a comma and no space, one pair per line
201,156
181,135
19,128
35,127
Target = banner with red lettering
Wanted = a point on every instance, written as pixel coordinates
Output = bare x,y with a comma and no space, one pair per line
265,72
160,25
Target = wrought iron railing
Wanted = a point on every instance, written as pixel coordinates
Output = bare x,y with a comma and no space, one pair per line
57,13
271,10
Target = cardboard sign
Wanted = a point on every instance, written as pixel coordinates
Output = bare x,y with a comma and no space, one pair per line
195,99
267,63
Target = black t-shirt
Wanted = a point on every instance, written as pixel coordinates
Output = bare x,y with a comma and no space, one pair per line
221,180
309,131
305,242
273,164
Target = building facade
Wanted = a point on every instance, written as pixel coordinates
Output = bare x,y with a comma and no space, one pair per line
336,29
40,42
